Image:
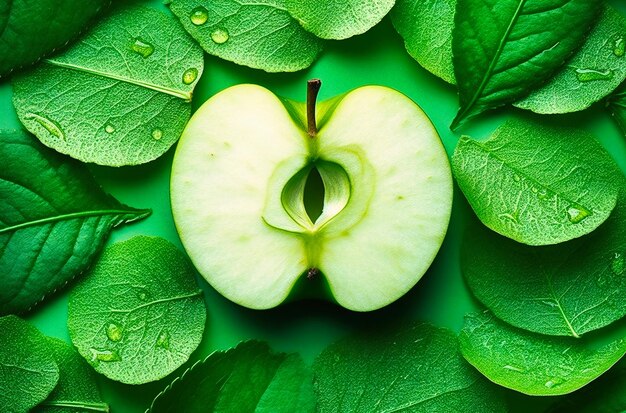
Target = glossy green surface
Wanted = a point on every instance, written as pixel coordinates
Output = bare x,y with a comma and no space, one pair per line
377,57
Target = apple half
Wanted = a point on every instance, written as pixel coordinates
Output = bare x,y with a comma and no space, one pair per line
240,179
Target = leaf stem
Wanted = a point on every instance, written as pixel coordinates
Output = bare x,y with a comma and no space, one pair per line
313,88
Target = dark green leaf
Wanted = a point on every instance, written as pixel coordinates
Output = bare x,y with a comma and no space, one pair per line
617,105
76,390
426,27
415,369
249,378
256,33
54,218
120,96
338,19
590,75
138,315
531,363
537,184
31,29
505,48
28,372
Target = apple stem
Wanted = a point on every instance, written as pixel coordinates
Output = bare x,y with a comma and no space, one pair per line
312,273
313,87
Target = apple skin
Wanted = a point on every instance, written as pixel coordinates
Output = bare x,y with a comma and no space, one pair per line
240,150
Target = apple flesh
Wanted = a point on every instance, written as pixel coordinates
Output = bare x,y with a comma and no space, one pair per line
238,182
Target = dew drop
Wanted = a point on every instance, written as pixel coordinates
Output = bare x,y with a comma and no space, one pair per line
576,214
114,331
109,128
143,294
190,75
157,134
516,178
617,264
590,75
549,384
220,36
142,48
47,124
163,340
104,355
554,382
619,47
513,368
199,16
534,189
542,194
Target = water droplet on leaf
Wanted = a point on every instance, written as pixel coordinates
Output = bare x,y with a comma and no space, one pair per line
617,264
199,16
47,124
157,134
163,340
109,129
576,214
104,355
542,194
144,49
114,332
190,75
220,36
516,178
589,75
619,47
513,368
143,294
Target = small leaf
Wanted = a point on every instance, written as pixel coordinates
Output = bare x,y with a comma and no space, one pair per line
531,363
248,378
54,219
505,48
120,96
429,44
537,184
139,314
256,33
32,29
416,369
76,390
590,75
570,289
338,19
617,106
28,372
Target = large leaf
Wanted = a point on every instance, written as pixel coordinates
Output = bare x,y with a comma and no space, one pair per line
566,289
138,315
28,372
537,184
120,96
76,390
256,33
414,369
54,219
505,48
338,19
590,75
249,378
531,363
31,29
617,106
426,27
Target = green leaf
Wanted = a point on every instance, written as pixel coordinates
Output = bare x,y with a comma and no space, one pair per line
76,390
338,19
505,48
531,363
54,219
414,369
617,106
590,75
120,96
248,378
428,43
139,314
256,33
566,289
32,29
537,184
28,373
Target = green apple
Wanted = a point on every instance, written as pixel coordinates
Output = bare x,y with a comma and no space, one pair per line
240,178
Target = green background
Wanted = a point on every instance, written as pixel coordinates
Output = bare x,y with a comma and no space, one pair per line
377,57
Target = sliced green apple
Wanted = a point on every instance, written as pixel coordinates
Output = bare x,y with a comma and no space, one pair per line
239,181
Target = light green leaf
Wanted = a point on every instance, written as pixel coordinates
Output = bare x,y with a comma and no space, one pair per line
28,373
537,184
566,289
590,75
505,48
531,363
426,27
120,96
54,219
338,19
617,106
256,33
138,315
249,378
32,29
76,390
414,369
